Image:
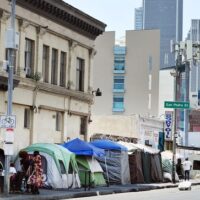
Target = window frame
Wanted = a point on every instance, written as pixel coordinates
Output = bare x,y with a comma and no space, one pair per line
54,66
29,57
59,121
45,63
80,72
27,118
63,64
117,85
118,106
83,125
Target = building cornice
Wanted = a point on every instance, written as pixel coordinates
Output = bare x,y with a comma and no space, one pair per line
54,89
66,15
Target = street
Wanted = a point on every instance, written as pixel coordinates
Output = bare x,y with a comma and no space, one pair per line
162,194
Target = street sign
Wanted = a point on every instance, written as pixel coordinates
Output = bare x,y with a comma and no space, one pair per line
7,121
168,125
177,104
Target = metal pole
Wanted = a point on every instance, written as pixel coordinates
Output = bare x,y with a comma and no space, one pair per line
175,94
11,57
186,112
175,125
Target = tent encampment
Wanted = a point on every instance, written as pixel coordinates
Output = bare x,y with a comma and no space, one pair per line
145,163
60,169
86,155
115,163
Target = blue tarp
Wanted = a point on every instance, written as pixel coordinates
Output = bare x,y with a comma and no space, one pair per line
108,145
80,147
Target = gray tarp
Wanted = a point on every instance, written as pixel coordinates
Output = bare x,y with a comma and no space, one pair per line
115,166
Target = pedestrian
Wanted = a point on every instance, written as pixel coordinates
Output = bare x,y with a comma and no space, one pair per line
179,168
35,178
23,174
12,172
187,166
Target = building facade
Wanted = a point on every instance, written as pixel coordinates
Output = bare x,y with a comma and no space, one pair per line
194,35
170,22
139,18
127,75
53,68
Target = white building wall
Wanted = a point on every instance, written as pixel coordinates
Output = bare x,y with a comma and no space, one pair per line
166,90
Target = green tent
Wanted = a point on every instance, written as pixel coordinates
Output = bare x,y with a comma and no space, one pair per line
88,164
59,165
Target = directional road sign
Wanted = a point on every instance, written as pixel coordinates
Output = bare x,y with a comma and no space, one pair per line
177,104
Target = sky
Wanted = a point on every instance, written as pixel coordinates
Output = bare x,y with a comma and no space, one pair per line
119,14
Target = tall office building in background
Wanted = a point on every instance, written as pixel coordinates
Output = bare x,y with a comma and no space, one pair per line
194,35
162,14
139,18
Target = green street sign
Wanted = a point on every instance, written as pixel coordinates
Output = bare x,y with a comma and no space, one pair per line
177,104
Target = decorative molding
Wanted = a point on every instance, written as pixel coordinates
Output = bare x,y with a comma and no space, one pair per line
44,107
23,24
73,45
30,84
92,52
41,30
70,112
4,16
65,15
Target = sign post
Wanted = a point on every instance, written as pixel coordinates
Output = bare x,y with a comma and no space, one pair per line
175,105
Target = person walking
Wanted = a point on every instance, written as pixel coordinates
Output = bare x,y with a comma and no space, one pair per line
187,166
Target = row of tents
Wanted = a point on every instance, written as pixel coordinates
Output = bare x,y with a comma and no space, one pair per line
101,162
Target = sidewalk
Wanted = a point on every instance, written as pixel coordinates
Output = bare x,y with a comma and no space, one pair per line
74,193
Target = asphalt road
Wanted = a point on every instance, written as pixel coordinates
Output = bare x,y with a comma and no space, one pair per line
161,194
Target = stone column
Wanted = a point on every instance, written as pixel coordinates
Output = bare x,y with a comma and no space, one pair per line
92,53
71,83
39,50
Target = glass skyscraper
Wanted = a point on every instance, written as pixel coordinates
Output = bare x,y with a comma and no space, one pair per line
162,14
139,18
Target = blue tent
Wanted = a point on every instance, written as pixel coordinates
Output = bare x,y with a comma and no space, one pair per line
108,145
80,147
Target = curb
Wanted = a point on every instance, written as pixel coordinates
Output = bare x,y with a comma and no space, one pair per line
91,193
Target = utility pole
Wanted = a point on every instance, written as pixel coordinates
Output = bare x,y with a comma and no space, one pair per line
176,77
11,46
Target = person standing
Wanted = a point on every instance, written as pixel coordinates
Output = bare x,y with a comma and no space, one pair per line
36,176
179,169
187,166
